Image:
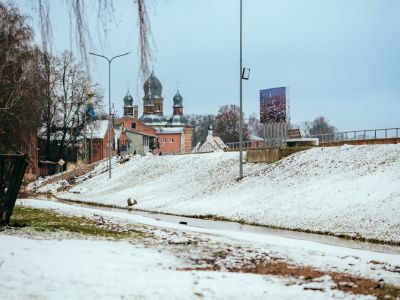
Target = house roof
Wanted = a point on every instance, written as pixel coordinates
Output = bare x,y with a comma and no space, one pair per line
99,128
212,143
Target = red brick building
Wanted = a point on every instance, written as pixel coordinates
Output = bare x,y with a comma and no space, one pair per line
97,140
170,140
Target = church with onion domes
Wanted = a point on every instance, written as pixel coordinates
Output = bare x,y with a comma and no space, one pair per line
167,135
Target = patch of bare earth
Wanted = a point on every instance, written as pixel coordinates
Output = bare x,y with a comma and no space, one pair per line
304,275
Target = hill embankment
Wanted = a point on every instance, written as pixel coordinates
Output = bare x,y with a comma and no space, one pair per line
351,191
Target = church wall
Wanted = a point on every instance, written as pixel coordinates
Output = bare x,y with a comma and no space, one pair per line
168,147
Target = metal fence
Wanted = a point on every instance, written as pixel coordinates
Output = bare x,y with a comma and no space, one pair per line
275,142
366,134
369,134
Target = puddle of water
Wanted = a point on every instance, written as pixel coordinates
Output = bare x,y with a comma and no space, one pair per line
234,226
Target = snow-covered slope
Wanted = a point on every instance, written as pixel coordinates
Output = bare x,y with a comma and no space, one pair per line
350,190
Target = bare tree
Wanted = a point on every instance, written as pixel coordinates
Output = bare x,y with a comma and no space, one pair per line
227,124
47,76
319,125
20,91
67,102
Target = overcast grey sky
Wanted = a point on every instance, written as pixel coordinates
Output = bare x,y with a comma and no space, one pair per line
340,58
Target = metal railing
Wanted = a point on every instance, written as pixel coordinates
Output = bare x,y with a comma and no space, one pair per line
275,142
366,134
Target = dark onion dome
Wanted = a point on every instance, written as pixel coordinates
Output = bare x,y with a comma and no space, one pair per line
179,120
177,99
154,85
128,100
148,99
152,119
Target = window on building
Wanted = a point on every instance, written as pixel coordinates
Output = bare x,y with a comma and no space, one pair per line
164,140
171,140
133,125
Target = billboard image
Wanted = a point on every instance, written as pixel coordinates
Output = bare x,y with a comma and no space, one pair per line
273,105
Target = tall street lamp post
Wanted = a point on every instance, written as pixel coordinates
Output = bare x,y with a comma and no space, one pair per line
240,105
109,104
244,74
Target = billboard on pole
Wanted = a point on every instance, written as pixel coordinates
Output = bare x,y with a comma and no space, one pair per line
273,105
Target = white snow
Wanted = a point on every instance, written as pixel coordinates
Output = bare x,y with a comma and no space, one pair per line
308,253
81,269
53,187
96,269
349,190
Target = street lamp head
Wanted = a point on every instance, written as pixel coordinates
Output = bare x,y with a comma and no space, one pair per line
246,73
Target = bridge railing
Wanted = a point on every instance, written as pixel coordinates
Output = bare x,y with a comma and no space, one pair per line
367,134
275,142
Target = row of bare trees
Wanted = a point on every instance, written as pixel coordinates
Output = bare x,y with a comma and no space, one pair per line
39,93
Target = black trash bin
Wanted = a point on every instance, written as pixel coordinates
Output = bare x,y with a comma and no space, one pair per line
12,169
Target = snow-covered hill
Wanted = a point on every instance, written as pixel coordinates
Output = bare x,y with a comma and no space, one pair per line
349,190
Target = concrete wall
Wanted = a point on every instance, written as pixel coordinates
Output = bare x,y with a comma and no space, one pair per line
271,155
137,143
362,142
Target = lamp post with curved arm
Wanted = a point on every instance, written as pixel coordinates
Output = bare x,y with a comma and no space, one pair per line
109,60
